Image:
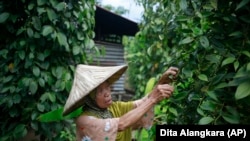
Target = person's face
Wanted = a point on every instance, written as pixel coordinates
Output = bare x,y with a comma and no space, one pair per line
103,95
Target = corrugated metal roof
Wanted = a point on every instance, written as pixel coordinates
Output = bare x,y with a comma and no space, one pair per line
114,56
110,23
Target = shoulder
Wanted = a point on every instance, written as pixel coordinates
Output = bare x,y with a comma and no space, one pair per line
119,108
84,118
121,104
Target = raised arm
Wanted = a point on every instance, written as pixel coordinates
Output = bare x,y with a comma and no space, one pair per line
167,77
160,92
146,103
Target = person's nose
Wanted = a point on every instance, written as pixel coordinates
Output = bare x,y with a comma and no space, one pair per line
107,93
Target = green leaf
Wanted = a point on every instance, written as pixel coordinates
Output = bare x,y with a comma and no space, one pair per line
236,65
56,115
236,34
186,40
21,54
47,30
51,116
31,55
241,4
228,61
242,91
36,71
150,85
7,78
214,3
68,85
34,115
31,6
221,85
66,76
213,58
41,82
26,82
203,77
36,23
212,94
4,90
20,131
76,50
187,72
41,2
205,120
33,87
161,37
34,125
4,16
88,43
40,107
62,39
157,109
41,10
204,41
60,6
232,110
80,36
183,4
248,68
60,85
59,72
208,105
231,118
247,53
45,65
40,56
51,14
16,99
52,97
173,110
30,32
44,97
200,111
3,53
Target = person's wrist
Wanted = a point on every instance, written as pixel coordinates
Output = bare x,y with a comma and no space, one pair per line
153,99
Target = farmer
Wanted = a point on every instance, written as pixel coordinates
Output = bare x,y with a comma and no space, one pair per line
105,120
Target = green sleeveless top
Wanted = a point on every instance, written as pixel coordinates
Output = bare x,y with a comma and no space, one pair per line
118,109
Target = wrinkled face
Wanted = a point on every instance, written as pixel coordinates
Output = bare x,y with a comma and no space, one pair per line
103,95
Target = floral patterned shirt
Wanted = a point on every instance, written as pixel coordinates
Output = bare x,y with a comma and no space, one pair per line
92,128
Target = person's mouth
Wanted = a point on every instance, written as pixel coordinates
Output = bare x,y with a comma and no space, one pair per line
109,101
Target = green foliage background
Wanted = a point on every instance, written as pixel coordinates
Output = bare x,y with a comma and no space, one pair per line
209,42
41,41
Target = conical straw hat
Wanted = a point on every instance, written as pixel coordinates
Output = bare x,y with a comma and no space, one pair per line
86,79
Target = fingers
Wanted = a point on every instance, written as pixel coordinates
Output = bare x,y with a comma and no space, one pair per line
169,75
161,91
172,71
165,90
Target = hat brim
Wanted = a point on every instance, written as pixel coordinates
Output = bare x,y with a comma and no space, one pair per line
88,78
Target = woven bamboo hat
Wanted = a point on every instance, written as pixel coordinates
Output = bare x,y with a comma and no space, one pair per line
86,79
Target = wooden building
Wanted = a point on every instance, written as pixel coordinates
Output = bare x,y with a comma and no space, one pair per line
109,29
